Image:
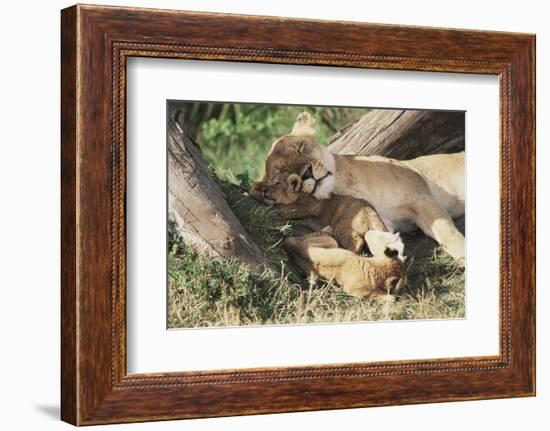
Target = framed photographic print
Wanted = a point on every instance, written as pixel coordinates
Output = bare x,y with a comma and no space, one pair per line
260,216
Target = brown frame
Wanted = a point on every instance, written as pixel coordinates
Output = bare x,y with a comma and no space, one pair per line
95,43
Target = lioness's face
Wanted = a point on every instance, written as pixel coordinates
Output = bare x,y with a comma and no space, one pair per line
296,151
290,157
283,190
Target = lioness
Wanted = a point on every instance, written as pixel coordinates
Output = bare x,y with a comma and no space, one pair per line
426,191
349,219
360,276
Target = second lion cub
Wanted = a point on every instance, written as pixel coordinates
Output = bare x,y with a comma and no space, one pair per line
363,277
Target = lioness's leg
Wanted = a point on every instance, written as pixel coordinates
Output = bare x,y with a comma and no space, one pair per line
436,223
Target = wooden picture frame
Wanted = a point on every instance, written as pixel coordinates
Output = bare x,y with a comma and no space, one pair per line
95,43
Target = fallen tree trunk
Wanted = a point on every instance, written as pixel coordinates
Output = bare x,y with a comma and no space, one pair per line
197,209
401,134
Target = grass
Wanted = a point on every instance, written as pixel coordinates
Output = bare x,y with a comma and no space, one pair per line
205,292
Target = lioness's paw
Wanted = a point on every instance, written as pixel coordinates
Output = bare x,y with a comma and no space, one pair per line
319,170
308,185
380,243
455,248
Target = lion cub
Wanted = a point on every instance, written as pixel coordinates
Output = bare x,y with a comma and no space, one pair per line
363,277
350,219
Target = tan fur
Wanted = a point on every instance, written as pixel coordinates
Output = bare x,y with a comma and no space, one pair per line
364,277
349,218
425,192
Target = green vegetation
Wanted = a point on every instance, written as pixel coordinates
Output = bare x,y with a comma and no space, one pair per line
203,291
236,137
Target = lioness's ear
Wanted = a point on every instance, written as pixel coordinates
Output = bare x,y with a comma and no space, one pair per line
304,125
295,182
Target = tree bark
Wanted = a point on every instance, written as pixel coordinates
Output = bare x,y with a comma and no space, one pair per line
401,134
197,209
